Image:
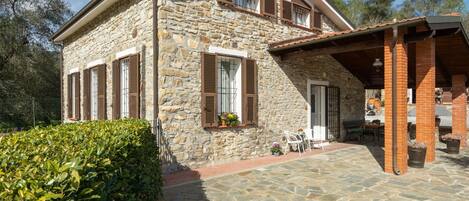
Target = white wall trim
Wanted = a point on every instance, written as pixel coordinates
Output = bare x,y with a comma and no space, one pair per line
95,63
230,52
318,83
127,52
73,70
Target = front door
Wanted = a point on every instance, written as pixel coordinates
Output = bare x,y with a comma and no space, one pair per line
318,111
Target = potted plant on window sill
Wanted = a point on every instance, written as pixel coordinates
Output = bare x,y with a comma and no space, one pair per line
453,143
276,150
417,152
228,119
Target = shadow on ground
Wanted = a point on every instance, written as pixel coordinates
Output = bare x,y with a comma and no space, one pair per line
193,191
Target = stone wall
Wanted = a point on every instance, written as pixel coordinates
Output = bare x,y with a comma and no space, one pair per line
109,33
187,28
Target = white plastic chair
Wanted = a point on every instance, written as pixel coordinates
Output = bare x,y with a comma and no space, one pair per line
294,140
311,140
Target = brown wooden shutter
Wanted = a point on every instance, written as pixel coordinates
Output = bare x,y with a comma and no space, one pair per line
86,94
317,20
102,92
249,92
209,90
69,96
116,89
269,7
77,96
287,10
134,86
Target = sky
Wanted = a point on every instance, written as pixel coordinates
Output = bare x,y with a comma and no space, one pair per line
76,5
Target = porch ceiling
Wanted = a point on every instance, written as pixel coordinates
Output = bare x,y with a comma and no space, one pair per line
357,50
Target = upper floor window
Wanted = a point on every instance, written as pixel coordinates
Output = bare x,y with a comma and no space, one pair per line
252,5
301,16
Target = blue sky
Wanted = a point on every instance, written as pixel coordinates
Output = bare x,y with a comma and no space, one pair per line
76,5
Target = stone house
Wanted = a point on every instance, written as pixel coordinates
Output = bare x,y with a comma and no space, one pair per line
277,64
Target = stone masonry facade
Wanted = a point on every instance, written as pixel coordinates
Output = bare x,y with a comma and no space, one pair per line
111,32
185,30
188,28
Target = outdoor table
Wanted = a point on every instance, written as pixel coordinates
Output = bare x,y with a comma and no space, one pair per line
375,128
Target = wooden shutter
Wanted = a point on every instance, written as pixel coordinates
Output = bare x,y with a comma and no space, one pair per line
69,96
77,96
102,92
134,86
269,7
87,94
209,90
287,10
317,20
116,89
249,94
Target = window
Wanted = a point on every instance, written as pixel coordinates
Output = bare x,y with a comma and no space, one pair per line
301,16
252,5
229,85
124,72
94,94
73,95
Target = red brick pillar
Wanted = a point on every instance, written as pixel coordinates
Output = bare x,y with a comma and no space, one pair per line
401,94
425,85
459,106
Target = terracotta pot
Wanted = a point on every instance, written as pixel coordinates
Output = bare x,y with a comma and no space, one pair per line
452,146
416,157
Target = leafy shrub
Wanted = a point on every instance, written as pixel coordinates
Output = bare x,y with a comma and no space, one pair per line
99,160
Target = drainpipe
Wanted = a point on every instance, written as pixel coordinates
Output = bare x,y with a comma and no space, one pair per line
155,67
61,67
394,101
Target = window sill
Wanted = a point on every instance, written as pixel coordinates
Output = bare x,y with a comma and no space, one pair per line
314,29
230,127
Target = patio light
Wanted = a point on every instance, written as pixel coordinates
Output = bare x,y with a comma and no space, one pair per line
378,64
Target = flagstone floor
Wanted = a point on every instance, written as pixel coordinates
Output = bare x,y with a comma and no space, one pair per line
353,173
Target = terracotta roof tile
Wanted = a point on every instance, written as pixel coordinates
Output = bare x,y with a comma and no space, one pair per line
310,38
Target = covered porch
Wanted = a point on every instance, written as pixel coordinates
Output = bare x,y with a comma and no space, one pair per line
420,53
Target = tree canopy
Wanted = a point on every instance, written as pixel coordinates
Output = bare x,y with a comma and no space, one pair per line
29,62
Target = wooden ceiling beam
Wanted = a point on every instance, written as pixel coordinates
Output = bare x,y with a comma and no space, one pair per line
343,48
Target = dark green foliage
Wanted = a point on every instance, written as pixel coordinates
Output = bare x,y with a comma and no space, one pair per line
29,62
99,160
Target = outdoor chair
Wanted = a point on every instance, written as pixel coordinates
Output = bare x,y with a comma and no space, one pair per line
311,140
293,140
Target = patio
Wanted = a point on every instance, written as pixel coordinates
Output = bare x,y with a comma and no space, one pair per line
350,173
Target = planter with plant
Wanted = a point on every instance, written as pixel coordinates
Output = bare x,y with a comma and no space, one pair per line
417,152
453,142
228,119
276,150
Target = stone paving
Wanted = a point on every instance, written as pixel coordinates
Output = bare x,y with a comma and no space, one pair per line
348,174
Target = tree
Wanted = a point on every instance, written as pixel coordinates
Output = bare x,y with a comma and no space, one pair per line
29,66
377,11
413,8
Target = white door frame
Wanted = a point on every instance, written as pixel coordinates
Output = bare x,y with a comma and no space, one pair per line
318,83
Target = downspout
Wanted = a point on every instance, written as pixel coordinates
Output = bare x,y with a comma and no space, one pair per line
395,169
61,67
156,122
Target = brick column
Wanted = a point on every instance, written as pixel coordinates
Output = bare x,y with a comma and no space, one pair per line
459,106
401,105
425,87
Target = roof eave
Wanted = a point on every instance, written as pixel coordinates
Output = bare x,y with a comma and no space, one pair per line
357,33
88,7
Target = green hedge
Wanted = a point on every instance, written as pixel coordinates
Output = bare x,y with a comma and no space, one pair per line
100,160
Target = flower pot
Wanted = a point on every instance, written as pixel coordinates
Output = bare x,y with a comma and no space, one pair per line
416,157
452,146
276,154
